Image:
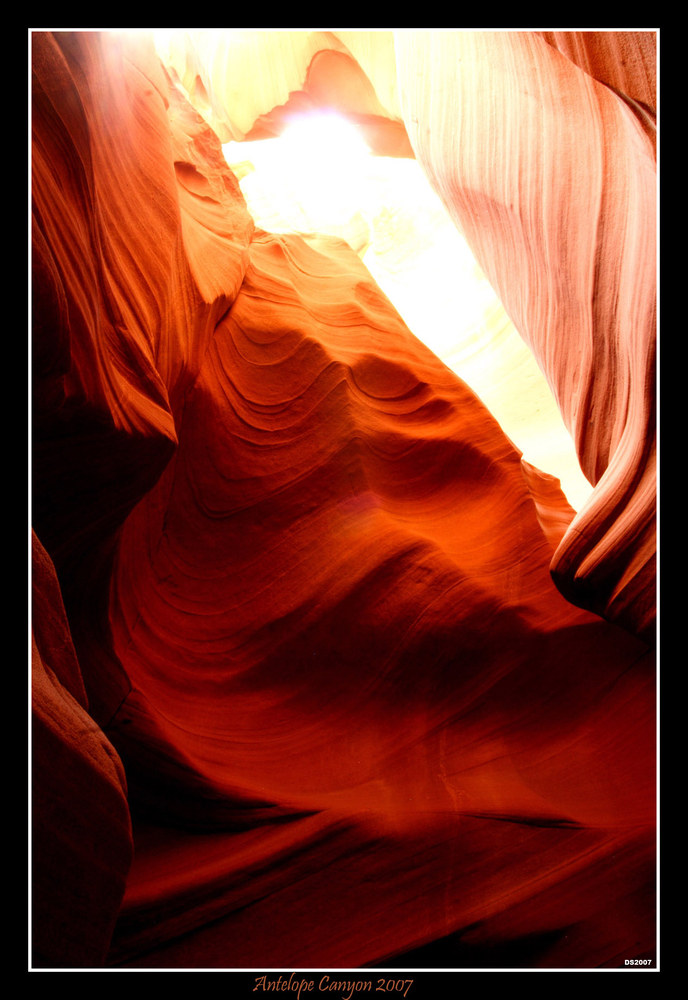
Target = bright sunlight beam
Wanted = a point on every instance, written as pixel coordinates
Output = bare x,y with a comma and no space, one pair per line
320,177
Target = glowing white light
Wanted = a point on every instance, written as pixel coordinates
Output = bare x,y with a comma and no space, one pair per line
313,178
324,138
320,177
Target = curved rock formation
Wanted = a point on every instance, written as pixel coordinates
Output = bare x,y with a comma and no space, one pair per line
553,183
82,842
123,311
541,145
625,61
385,209
307,599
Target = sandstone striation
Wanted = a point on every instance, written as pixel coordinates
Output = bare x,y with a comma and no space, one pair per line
542,147
316,698
81,838
553,183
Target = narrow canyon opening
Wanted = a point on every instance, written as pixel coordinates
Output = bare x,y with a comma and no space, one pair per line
320,176
339,660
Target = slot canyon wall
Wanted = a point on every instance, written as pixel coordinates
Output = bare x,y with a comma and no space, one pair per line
324,673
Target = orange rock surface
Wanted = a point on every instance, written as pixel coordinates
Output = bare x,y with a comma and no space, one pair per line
552,181
301,649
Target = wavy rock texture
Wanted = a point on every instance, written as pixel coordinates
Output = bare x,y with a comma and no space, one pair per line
306,577
123,311
542,147
387,212
553,182
625,61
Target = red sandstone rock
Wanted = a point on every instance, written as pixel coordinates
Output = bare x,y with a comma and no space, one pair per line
81,843
343,526
551,177
626,61
541,145
140,236
307,579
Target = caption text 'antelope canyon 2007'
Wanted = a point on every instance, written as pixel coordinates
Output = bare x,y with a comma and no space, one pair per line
343,500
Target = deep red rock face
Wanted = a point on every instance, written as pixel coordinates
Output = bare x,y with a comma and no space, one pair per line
310,643
82,842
